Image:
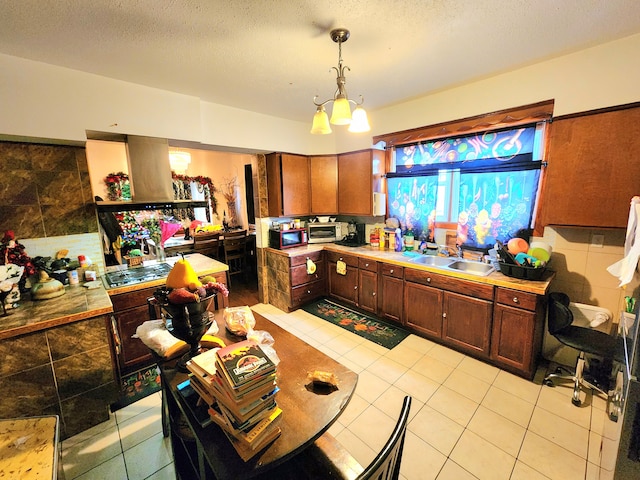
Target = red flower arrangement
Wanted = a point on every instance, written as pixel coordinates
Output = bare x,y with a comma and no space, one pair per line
202,180
118,186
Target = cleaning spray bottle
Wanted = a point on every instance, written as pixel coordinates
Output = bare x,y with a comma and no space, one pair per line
398,240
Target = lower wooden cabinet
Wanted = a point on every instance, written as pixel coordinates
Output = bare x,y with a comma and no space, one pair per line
423,309
434,306
518,329
307,285
391,289
368,285
343,287
467,323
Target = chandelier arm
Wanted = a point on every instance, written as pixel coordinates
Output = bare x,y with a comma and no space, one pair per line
322,104
357,103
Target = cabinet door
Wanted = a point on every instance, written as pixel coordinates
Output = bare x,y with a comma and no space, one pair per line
592,171
355,181
287,184
512,338
368,290
344,287
324,184
423,309
391,302
133,352
467,323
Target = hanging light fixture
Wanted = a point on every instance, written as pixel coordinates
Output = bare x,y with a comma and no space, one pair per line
179,161
341,113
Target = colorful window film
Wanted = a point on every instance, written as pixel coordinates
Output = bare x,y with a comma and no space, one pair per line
412,200
494,178
495,206
467,151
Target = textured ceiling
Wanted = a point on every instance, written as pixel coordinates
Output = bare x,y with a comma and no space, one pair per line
273,56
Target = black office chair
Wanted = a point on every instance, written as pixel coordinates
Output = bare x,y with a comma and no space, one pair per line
387,464
596,376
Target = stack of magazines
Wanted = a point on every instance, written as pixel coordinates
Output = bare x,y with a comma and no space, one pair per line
238,383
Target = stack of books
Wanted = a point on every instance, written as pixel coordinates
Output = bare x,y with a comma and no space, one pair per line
238,383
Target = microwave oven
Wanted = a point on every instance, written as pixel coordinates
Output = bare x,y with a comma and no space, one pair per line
324,232
294,237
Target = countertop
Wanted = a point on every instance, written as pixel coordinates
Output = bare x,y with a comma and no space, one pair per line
80,303
498,279
29,448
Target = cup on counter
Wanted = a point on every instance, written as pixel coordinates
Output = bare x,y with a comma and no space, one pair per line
72,275
90,276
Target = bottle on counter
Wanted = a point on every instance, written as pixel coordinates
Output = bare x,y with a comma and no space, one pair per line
398,239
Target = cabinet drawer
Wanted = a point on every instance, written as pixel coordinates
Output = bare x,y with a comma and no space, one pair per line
299,275
515,298
350,260
392,270
123,301
365,264
306,293
424,278
302,259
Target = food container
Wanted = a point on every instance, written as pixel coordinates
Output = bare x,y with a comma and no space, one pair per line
324,219
521,272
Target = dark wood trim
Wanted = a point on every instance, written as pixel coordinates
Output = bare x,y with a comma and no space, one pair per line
526,114
598,110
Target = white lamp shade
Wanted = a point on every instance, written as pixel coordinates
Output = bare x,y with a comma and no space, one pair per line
359,121
320,122
179,161
341,113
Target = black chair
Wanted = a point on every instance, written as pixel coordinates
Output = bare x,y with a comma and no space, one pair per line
387,464
595,373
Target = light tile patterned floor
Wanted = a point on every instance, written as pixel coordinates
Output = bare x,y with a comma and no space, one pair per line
469,420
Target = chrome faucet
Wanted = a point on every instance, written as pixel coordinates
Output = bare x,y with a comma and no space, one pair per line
459,252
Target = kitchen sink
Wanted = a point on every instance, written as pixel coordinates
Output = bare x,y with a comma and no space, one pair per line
433,261
449,263
475,268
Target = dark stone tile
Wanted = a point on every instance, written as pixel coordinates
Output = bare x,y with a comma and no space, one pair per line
77,337
53,158
24,220
23,353
18,188
87,410
14,156
27,393
66,219
58,187
83,372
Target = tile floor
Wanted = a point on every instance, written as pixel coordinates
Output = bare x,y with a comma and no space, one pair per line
468,419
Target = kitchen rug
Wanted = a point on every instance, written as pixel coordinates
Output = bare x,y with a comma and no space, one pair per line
136,386
361,324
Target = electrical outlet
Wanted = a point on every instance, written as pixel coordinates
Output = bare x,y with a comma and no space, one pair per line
597,241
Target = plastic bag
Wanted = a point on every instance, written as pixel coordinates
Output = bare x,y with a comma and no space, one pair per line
154,334
239,320
266,341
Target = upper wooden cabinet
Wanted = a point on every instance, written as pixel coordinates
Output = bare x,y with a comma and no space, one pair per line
324,184
288,184
593,169
357,173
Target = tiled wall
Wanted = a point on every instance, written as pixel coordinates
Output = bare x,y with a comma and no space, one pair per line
581,267
65,371
45,191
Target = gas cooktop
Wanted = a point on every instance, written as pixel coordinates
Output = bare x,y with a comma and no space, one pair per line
134,275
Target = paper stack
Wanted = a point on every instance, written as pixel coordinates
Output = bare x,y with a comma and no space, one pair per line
238,382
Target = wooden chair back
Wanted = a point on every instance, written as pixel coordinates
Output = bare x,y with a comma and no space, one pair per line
207,244
234,245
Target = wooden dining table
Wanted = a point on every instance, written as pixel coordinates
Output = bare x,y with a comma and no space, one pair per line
308,410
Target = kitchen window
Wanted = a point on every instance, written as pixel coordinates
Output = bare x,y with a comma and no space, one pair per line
485,183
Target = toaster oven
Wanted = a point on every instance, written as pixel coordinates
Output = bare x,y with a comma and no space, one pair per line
324,232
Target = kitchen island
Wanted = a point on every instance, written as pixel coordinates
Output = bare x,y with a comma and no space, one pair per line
57,356
493,317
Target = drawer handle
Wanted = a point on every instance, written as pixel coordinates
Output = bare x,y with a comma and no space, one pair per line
391,271
516,300
428,279
444,315
366,265
309,292
373,294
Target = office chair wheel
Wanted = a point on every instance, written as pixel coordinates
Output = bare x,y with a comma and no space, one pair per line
548,382
576,401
